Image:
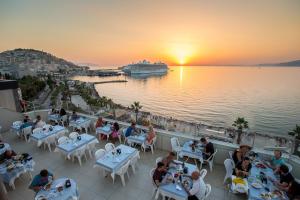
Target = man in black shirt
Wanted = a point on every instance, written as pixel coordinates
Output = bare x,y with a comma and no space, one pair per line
159,173
208,148
286,178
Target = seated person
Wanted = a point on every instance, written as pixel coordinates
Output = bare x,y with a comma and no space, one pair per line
74,116
26,123
159,173
239,154
39,123
115,131
150,136
198,190
27,118
41,180
293,191
208,148
8,154
276,160
131,130
62,112
99,122
286,178
169,159
243,168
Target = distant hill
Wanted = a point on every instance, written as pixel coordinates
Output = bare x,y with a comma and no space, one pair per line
293,63
30,61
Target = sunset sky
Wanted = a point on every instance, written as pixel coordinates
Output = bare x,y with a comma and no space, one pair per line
189,32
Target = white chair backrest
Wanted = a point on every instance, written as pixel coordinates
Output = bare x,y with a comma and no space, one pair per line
207,190
37,130
151,176
99,153
203,173
73,135
109,146
64,118
211,158
174,143
27,130
289,166
230,154
62,140
229,166
124,131
159,159
124,169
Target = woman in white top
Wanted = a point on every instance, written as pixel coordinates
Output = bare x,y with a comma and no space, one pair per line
39,123
198,190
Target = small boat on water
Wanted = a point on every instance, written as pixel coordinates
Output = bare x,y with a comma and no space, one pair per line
145,67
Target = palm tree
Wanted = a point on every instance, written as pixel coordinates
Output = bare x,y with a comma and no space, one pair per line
296,133
240,123
136,107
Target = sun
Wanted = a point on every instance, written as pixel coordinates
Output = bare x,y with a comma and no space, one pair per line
181,53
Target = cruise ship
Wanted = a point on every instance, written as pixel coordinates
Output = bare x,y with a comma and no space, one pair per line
145,67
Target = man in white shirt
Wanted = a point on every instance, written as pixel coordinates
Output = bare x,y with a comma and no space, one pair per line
198,190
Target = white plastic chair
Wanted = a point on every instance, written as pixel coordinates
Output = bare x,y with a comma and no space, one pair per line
99,153
210,160
133,161
37,130
159,159
152,146
26,132
121,173
154,190
109,146
230,154
229,166
62,140
50,140
289,166
207,191
203,173
73,135
91,148
175,146
80,153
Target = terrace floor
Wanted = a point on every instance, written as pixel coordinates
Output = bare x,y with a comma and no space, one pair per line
92,185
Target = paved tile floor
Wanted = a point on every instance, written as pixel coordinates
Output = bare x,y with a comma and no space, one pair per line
92,185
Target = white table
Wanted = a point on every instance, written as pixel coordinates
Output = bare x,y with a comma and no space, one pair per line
71,146
81,122
106,130
113,163
137,139
66,194
41,137
190,153
54,117
10,176
170,190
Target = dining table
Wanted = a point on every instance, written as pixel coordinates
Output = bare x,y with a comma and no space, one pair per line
11,169
173,187
59,190
71,146
192,152
81,122
45,134
105,130
112,161
261,183
137,139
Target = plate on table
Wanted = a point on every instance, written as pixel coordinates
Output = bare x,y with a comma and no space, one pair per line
256,185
